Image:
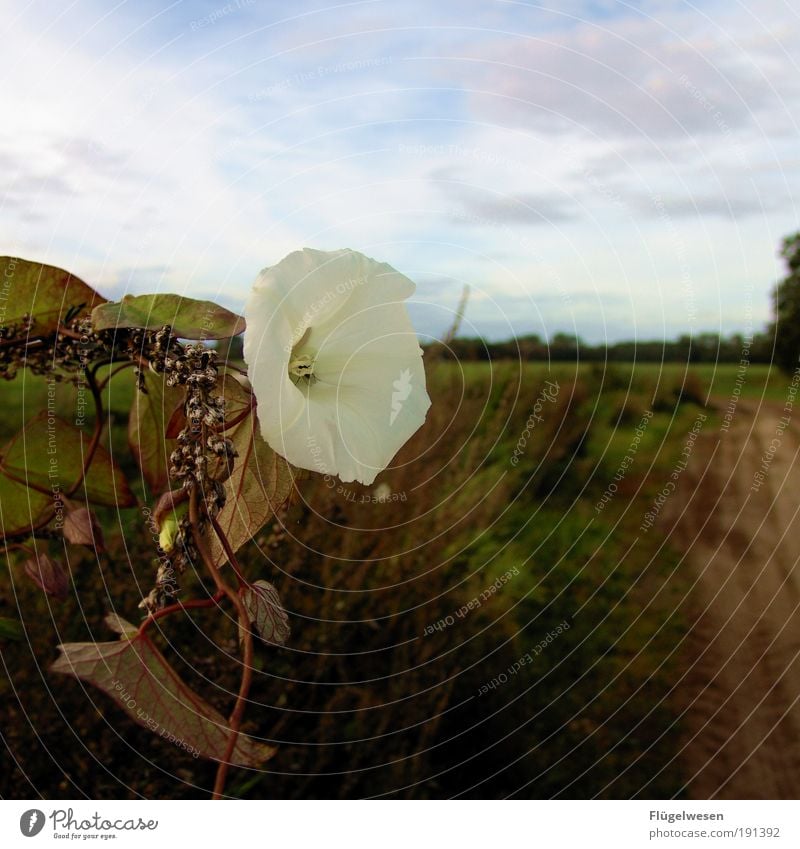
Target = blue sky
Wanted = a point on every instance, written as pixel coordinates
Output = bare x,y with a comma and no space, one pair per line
615,169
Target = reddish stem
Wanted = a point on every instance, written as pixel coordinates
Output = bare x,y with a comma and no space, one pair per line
192,604
239,417
226,547
235,720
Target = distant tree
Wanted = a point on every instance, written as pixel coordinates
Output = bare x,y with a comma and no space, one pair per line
565,346
786,326
761,349
707,347
531,347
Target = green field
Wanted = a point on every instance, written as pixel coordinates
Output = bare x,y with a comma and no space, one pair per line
384,687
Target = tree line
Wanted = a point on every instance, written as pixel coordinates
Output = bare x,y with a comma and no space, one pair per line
779,343
701,348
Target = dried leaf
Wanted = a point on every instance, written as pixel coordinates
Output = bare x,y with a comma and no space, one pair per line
120,626
261,481
82,528
48,455
188,318
266,612
147,428
48,574
139,679
49,295
177,421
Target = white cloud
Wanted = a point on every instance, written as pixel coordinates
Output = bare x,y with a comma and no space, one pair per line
572,154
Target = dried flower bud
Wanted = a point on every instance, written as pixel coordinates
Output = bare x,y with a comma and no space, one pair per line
48,574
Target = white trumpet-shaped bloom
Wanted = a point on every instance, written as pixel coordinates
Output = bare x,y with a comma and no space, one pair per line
334,362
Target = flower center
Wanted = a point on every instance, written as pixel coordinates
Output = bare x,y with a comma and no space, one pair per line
301,367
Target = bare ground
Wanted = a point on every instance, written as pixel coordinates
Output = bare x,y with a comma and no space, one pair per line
742,543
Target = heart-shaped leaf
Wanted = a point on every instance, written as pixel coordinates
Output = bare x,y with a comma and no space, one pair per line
266,612
49,295
188,318
140,680
261,480
147,429
21,508
48,455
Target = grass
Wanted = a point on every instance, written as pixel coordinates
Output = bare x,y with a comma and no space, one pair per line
384,689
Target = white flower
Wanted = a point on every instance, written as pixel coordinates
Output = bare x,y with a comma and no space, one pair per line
334,362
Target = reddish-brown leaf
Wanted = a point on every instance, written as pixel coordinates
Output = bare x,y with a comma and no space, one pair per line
48,574
266,612
261,480
137,676
82,528
177,421
147,429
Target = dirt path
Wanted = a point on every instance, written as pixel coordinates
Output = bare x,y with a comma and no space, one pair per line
743,543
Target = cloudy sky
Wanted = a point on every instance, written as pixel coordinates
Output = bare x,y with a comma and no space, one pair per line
617,169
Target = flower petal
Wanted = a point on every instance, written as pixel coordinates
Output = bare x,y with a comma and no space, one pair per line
367,394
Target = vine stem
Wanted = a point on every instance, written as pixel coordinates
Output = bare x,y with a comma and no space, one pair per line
226,547
235,719
115,371
192,604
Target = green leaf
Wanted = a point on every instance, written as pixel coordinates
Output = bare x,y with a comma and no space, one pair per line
188,318
22,509
147,426
10,629
140,680
48,454
49,295
261,480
